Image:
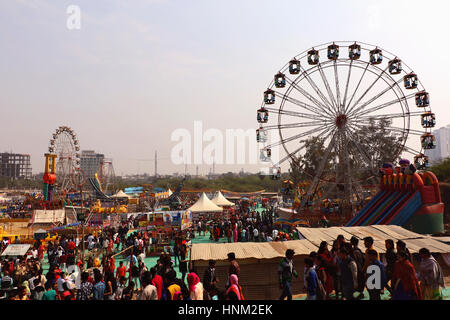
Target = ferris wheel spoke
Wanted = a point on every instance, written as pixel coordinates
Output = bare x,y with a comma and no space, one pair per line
356,89
362,125
360,148
295,125
385,105
290,155
321,168
368,89
321,108
316,89
387,116
294,114
327,86
347,84
362,106
338,90
412,150
300,104
295,137
349,174
378,148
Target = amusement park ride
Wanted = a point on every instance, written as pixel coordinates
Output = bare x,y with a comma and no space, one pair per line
61,162
335,100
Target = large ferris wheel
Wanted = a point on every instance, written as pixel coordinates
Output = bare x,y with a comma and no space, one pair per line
64,144
337,94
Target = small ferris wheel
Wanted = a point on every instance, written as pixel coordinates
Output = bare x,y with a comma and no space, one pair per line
335,93
64,144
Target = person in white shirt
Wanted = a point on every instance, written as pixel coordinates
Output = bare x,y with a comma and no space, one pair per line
60,283
255,234
34,253
90,240
149,292
274,233
141,257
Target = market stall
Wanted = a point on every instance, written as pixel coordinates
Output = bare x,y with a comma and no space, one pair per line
204,207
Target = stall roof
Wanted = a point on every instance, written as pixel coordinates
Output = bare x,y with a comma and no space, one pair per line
48,216
379,233
311,242
250,250
16,250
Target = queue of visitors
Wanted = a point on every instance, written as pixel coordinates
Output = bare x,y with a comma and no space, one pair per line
342,272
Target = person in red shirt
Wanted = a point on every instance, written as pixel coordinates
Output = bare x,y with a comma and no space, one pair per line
157,281
67,294
57,272
121,271
41,252
71,245
112,264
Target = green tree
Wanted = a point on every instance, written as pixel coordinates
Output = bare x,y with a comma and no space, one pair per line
442,170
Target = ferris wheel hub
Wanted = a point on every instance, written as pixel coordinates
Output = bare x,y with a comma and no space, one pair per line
341,120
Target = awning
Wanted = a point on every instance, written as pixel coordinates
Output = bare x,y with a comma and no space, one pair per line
16,250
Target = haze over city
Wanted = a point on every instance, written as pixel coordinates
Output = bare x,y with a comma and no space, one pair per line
138,70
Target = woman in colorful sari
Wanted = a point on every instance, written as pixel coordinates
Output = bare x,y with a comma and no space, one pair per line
195,286
324,275
430,276
235,233
404,280
323,251
234,292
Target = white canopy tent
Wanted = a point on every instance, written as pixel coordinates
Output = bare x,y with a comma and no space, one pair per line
220,200
203,204
120,194
169,192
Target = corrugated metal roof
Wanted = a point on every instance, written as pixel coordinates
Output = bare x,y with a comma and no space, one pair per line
313,237
379,233
249,250
442,239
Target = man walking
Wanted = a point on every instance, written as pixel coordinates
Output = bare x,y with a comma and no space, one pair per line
285,272
234,267
311,282
349,274
375,293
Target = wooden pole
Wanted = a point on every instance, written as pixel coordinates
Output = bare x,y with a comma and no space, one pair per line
82,226
121,252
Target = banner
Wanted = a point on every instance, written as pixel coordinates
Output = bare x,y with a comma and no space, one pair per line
186,220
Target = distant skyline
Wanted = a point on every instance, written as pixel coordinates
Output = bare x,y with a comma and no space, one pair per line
138,70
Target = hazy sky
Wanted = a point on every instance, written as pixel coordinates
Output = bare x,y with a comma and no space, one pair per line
137,70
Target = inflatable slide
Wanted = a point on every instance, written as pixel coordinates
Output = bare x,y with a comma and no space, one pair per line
412,201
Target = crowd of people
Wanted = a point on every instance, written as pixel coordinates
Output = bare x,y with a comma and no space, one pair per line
344,272
247,226
339,272
23,278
